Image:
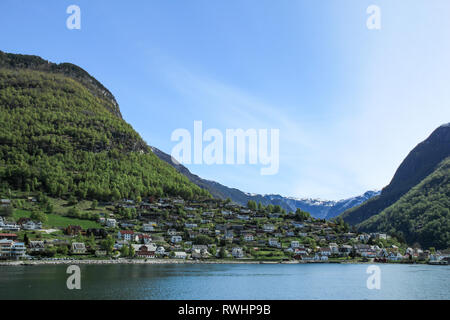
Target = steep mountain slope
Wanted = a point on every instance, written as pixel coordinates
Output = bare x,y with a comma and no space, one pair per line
61,132
20,61
422,215
317,208
419,163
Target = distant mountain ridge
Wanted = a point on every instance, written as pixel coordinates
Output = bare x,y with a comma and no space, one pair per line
324,209
419,163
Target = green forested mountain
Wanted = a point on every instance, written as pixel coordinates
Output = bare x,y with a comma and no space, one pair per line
420,162
61,132
422,215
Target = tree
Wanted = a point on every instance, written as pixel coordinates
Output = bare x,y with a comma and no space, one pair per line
251,205
6,211
94,204
74,212
39,216
64,250
72,200
124,251
49,208
90,241
131,251
260,207
301,215
108,244
26,240
222,253
203,239
116,194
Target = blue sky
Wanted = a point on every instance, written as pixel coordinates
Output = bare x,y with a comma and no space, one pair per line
350,103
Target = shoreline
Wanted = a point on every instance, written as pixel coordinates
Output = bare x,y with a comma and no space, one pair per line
173,261
141,262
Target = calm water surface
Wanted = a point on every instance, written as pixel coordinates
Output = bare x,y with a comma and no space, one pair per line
208,281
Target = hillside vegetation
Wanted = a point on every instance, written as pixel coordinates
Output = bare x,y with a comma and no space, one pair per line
422,215
61,134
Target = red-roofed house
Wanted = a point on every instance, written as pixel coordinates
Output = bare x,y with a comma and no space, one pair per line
127,235
9,236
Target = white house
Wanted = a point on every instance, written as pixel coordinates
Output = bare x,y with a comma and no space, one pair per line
237,252
345,249
395,256
31,225
229,235
127,235
321,257
325,251
227,213
10,227
268,228
273,242
334,248
36,246
5,202
78,248
379,235
180,255
10,249
145,250
301,251
295,244
297,224
364,237
248,237
176,239
147,227
160,251
111,223
143,238
369,254
171,232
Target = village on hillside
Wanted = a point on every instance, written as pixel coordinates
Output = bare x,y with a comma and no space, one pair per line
201,230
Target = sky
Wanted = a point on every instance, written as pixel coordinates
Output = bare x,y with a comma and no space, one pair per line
349,102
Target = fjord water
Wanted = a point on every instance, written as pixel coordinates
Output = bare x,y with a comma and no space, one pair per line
226,281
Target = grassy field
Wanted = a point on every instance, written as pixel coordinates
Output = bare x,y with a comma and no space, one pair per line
269,255
59,221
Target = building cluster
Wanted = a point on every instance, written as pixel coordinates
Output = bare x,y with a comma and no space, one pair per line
208,229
